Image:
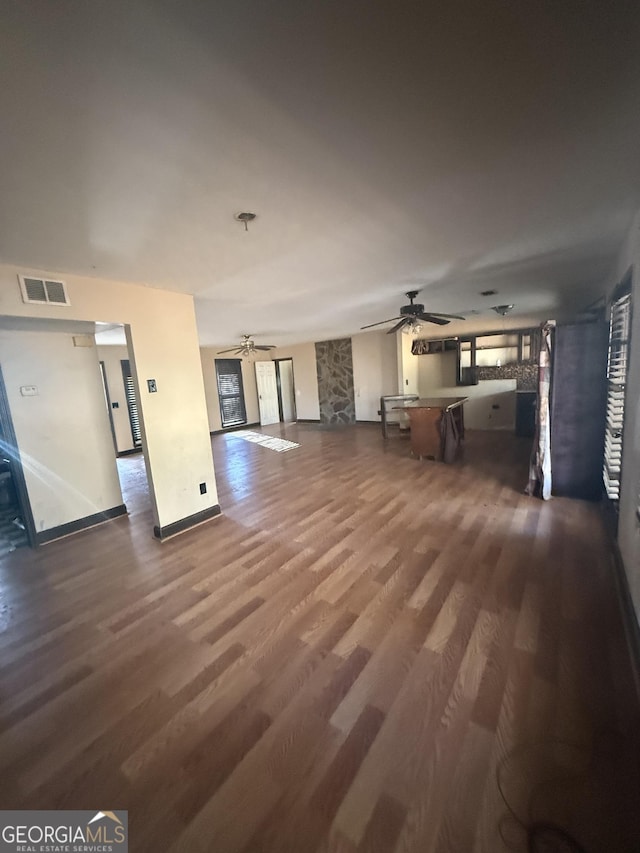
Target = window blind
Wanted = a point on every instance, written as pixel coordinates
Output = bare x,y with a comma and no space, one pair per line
617,366
132,403
230,391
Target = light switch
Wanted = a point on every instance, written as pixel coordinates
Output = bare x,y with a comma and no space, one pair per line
29,390
151,385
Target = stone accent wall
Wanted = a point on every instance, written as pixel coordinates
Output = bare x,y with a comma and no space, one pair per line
334,365
526,374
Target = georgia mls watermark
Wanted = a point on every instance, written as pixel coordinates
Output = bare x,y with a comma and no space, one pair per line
64,832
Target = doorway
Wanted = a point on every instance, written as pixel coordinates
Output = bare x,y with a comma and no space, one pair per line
286,389
17,529
125,418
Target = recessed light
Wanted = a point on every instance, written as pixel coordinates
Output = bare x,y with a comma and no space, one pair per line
488,292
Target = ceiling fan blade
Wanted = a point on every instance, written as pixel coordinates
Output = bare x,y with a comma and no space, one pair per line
381,323
432,318
265,346
223,351
399,325
448,316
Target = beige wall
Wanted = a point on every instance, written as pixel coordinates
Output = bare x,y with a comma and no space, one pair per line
375,372
305,378
163,342
407,365
112,356
208,356
437,377
629,523
63,432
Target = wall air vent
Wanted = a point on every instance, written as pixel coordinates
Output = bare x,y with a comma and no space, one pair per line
43,291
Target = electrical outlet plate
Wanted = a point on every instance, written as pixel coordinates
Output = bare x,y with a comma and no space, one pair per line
152,386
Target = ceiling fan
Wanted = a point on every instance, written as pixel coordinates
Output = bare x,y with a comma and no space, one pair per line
413,315
247,346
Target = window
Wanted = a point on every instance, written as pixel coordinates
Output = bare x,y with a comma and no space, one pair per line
231,391
619,331
132,403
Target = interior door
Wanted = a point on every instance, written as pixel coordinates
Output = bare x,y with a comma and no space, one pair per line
287,396
267,392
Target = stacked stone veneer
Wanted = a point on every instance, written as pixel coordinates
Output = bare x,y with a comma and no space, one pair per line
334,365
526,374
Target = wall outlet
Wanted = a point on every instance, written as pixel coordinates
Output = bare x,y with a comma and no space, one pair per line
29,390
203,488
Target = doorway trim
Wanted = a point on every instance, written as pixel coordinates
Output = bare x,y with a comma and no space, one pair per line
103,372
19,482
279,384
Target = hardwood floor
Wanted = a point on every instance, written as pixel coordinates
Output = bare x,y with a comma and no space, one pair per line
355,657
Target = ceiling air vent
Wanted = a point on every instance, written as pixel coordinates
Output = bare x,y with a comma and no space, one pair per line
43,291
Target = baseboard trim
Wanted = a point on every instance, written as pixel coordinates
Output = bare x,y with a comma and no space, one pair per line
183,524
307,420
53,533
625,601
131,452
234,428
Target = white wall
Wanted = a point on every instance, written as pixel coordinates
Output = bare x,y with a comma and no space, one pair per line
163,343
112,356
437,377
305,378
629,524
208,356
63,432
375,372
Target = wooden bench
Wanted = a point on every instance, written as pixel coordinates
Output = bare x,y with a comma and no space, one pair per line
386,405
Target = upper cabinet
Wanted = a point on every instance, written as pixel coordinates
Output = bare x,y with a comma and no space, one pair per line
483,356
422,347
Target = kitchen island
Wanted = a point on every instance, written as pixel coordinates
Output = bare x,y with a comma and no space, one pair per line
437,426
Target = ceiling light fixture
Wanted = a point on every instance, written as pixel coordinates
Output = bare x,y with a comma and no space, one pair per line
413,328
244,217
503,309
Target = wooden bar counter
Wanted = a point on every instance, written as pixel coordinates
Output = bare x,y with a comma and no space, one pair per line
437,426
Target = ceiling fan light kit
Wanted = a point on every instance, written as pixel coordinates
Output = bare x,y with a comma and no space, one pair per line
503,309
246,347
413,315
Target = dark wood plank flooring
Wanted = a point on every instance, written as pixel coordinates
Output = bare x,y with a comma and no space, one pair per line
357,656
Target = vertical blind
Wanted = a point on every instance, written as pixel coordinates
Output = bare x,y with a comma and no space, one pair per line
616,383
132,403
230,391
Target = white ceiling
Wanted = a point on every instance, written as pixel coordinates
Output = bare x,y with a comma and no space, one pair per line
385,146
